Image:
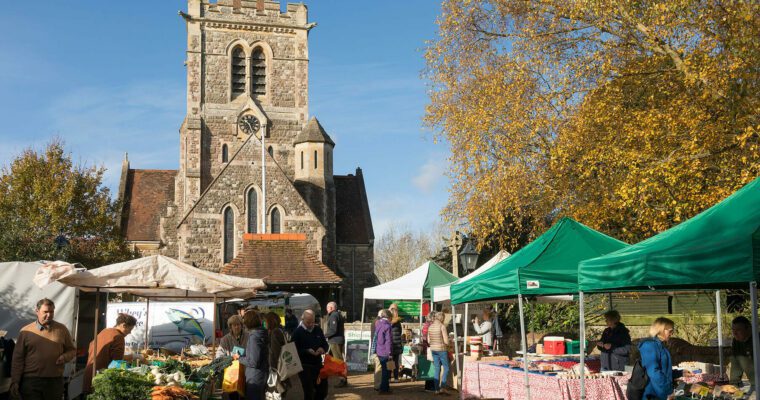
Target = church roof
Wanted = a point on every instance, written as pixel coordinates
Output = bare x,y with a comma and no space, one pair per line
146,195
313,132
280,259
353,223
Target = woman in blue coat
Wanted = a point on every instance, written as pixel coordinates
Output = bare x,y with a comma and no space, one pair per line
256,357
655,359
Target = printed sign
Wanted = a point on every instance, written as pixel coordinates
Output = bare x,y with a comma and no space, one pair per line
406,309
534,284
172,325
357,350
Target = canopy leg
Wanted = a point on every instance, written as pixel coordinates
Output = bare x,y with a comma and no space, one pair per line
755,338
95,324
524,345
421,303
147,314
720,331
213,332
456,347
466,325
582,345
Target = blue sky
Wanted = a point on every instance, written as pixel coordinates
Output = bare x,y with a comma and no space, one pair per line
108,78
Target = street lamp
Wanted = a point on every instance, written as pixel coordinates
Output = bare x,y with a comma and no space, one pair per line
469,256
61,243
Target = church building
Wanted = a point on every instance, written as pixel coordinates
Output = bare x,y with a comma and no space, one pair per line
255,194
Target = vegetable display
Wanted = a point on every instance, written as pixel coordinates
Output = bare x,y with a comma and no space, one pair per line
119,384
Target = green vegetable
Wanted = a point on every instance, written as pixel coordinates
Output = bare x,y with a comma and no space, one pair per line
119,384
173,366
215,368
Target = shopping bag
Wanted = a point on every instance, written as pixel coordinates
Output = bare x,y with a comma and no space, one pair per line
425,370
289,363
333,367
234,379
429,354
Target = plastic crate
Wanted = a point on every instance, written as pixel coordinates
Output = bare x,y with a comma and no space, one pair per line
574,346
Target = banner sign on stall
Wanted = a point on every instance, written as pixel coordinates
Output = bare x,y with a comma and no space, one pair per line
357,350
406,309
172,325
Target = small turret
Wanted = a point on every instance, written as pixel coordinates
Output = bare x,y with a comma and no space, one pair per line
314,152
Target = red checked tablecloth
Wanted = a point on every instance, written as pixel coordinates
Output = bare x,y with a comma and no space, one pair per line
485,380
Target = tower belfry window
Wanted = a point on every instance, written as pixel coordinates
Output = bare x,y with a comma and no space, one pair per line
237,70
258,72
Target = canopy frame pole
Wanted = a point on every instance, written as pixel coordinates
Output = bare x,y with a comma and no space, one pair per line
456,346
524,340
95,325
213,332
147,320
466,325
422,301
718,311
582,345
755,338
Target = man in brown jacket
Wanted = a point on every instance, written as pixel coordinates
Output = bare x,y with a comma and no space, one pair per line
42,349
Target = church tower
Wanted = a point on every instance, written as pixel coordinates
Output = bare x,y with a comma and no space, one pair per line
244,58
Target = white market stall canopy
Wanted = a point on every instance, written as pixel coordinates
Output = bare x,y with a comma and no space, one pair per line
443,292
156,277
415,285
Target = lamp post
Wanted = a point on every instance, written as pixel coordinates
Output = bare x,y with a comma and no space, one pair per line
469,256
61,243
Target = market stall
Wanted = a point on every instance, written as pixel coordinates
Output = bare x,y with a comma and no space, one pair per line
158,278
717,249
416,286
545,267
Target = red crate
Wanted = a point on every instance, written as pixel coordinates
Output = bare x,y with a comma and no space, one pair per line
554,345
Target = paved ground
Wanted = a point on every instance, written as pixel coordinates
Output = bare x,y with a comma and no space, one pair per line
360,386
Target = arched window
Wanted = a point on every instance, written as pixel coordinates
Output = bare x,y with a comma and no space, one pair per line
237,70
275,220
258,72
229,234
302,160
252,210
315,159
271,151
225,153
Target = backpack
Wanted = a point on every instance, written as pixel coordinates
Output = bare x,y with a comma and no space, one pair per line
638,382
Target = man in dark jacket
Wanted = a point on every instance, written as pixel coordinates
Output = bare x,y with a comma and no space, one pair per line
291,322
334,333
615,344
311,345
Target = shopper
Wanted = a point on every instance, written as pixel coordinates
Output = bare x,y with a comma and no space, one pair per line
398,343
655,358
615,344
438,338
256,357
276,341
383,344
311,344
335,335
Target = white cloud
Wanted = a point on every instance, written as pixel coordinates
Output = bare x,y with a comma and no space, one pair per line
429,175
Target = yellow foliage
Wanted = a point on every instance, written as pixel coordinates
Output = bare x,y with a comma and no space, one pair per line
628,116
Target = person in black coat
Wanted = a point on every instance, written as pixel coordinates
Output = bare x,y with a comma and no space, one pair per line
256,357
311,344
398,342
615,344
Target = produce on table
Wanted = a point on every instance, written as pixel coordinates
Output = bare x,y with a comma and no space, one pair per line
171,393
119,384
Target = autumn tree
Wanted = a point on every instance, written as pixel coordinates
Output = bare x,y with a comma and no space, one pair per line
628,116
45,195
399,250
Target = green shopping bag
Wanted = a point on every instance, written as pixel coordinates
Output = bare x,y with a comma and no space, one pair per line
425,370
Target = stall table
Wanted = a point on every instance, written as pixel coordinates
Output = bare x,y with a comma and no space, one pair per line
499,381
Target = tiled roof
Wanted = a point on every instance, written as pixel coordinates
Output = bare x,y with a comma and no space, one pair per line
353,223
146,194
313,132
280,259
